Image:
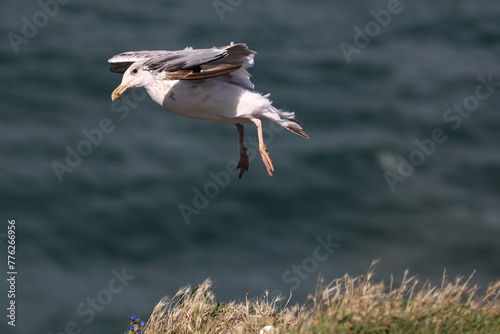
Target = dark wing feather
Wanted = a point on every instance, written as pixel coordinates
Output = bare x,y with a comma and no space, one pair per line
237,54
119,67
204,73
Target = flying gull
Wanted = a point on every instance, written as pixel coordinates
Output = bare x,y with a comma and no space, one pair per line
211,84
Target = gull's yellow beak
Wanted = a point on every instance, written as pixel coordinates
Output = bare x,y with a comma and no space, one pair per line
119,91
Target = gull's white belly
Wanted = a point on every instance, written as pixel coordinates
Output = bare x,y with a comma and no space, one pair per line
212,99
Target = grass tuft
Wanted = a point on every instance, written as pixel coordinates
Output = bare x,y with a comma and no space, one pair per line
346,305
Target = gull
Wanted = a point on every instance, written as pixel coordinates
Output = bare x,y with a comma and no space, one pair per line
211,84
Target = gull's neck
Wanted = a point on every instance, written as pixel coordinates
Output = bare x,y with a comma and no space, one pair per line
158,89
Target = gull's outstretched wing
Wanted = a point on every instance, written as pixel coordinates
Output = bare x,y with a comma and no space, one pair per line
188,60
188,64
197,64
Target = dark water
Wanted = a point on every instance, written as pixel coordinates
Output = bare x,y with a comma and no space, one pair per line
117,212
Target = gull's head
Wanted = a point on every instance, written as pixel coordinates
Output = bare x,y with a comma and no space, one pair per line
134,77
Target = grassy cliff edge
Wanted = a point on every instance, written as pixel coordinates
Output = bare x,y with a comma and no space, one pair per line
346,305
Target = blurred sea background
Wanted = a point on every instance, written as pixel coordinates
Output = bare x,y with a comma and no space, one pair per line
117,211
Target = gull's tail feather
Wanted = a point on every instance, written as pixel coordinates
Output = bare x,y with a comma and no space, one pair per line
287,120
295,128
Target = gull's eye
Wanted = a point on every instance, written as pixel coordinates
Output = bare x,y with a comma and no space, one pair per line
134,71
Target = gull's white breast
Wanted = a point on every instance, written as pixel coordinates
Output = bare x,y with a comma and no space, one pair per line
216,99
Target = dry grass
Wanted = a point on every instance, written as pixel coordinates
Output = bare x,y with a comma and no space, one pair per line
360,305
196,311
347,305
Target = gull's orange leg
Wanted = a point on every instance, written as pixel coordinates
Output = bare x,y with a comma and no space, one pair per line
243,164
263,148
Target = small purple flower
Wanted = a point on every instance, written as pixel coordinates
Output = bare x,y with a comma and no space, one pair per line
142,323
134,316
132,328
139,331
